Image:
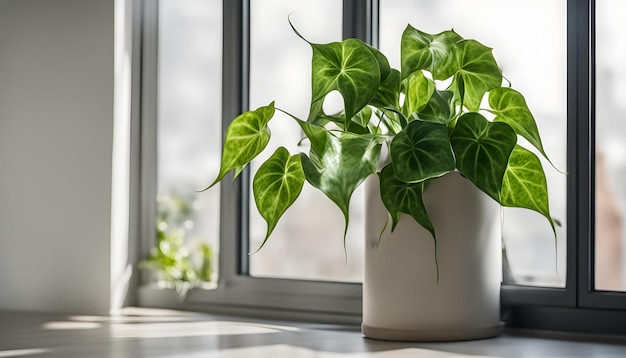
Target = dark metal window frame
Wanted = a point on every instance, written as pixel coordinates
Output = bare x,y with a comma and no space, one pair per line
577,307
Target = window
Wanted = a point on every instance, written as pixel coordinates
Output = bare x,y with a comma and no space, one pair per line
188,131
238,289
299,248
610,166
573,48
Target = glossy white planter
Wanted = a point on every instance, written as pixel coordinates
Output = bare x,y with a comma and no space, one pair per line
401,297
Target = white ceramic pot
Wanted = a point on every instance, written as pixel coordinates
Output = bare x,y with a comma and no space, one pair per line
402,299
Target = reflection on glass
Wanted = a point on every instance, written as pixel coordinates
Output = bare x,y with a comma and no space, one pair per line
189,129
308,242
610,109
529,41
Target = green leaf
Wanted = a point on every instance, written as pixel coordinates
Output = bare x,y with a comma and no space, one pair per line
318,117
400,197
383,63
439,109
388,94
246,137
510,107
277,184
318,137
238,170
393,119
359,122
418,90
421,151
477,72
482,151
338,165
525,185
349,67
422,51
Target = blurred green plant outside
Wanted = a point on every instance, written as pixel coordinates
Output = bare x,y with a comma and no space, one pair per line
175,263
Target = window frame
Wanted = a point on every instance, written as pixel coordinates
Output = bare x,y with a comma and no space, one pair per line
237,292
588,295
576,307
577,58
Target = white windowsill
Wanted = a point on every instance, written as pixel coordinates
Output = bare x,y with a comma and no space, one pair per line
141,332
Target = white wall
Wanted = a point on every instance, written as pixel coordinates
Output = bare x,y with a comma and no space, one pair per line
56,144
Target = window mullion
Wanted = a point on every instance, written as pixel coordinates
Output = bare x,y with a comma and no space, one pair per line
148,112
358,20
513,295
588,296
584,171
578,109
234,194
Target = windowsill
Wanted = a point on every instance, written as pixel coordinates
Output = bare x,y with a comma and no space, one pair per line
140,332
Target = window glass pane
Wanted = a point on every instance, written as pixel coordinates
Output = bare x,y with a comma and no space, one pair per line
529,41
610,144
307,243
189,133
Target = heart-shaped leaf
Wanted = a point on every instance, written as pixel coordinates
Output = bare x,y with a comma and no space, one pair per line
349,67
318,138
525,185
358,124
421,151
246,136
383,63
388,94
510,107
393,119
422,51
438,109
338,165
418,90
360,121
400,197
477,72
277,184
482,151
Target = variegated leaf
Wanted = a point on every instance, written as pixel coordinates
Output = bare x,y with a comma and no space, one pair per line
417,92
349,67
277,184
338,165
525,184
482,151
477,73
246,137
510,107
423,51
421,151
388,94
438,109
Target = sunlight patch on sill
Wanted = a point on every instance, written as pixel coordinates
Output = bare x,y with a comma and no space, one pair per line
141,315
23,352
129,319
194,329
285,350
70,325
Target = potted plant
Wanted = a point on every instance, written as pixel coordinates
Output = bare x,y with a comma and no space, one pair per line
172,262
443,123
